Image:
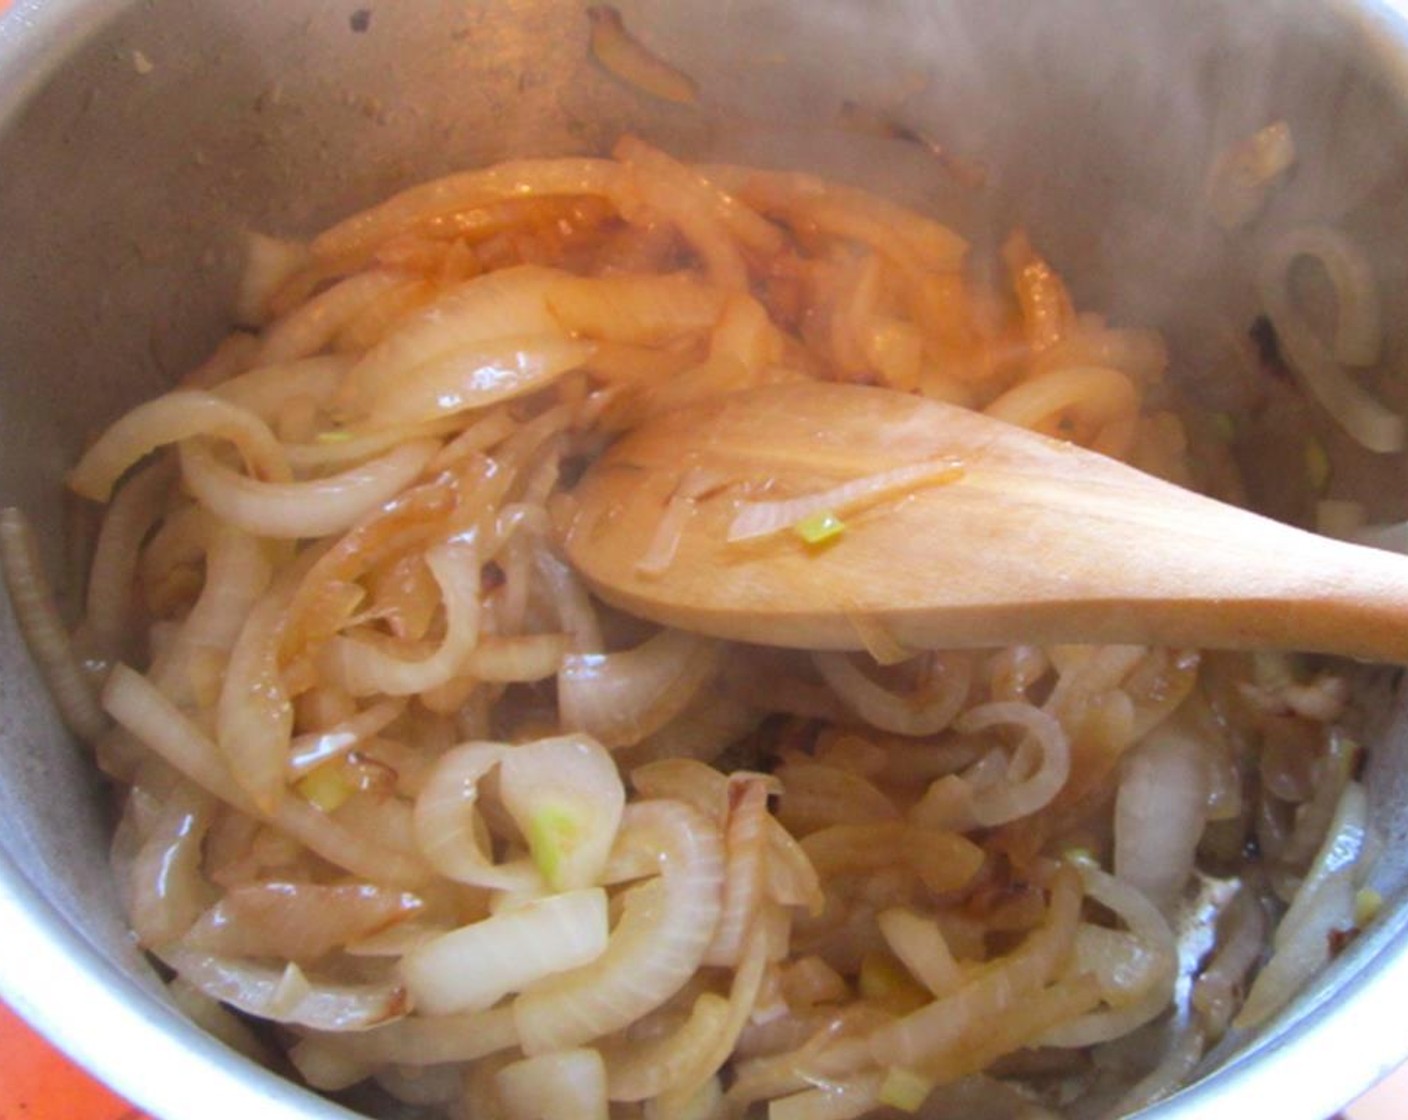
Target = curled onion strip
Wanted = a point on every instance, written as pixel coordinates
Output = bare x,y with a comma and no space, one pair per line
446,822
930,710
1367,420
746,845
666,925
937,1028
509,303
1160,811
267,390
619,698
140,708
1151,969
297,921
758,520
1010,798
473,967
637,1071
1324,904
422,1039
363,669
441,198
253,715
566,1083
177,416
265,992
294,510
165,889
37,614
315,323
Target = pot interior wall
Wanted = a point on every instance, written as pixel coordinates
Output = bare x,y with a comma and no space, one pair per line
133,172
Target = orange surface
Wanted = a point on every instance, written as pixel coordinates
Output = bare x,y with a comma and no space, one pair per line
39,1083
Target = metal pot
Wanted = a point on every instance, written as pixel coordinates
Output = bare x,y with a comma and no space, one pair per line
140,137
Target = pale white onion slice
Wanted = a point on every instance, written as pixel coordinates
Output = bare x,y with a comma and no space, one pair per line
619,698
565,795
508,303
1136,978
176,416
476,375
745,870
446,822
553,1086
529,178
472,968
297,921
315,323
268,262
299,510
254,715
139,707
1365,418
285,995
924,713
1160,811
267,390
420,1039
1009,798
362,669
1324,904
37,613
656,945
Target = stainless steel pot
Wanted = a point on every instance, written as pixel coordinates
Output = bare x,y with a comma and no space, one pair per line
139,137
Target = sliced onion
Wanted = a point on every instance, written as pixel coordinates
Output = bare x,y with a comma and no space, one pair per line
444,197
553,1086
301,510
565,795
237,572
475,375
362,669
107,630
140,708
758,520
314,324
421,1039
1136,981
1361,415
665,926
446,822
310,750
297,921
624,55
745,868
1323,905
260,991
928,711
269,262
1160,812
472,968
254,715
508,303
919,944
504,658
176,416
1008,799
619,698
267,390
636,310
637,1071
165,889
37,613
939,1027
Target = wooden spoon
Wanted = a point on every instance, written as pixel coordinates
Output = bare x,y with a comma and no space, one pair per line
1023,539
